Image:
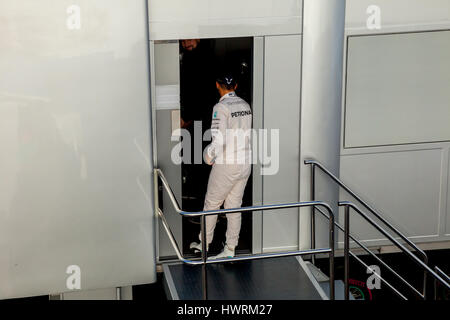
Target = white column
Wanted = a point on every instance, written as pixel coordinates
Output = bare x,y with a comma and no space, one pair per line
322,63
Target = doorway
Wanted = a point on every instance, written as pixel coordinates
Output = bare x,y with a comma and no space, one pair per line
199,68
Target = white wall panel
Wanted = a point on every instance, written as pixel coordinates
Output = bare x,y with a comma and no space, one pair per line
397,89
75,168
403,186
184,19
282,61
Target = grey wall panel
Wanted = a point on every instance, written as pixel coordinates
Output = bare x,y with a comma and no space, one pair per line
167,63
403,186
173,174
397,13
447,203
181,19
258,123
75,166
397,89
126,293
167,73
281,112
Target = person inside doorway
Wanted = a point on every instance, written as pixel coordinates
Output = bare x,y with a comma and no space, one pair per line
197,91
230,155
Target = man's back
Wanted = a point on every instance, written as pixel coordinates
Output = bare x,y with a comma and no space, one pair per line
232,117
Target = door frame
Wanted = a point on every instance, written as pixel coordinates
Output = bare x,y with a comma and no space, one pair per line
257,110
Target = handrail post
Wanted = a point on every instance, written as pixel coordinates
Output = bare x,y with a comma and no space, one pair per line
331,256
435,289
313,220
204,257
346,251
443,275
425,280
156,189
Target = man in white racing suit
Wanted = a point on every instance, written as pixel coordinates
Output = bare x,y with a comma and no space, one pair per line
230,155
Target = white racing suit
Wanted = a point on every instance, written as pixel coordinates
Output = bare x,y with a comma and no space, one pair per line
230,155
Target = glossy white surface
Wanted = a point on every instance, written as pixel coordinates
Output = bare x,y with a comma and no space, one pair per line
184,19
75,147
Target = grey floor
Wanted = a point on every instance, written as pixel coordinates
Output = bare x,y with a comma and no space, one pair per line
267,279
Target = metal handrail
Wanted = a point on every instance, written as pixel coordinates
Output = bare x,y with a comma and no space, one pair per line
204,261
348,205
379,260
367,206
347,227
249,257
347,292
315,163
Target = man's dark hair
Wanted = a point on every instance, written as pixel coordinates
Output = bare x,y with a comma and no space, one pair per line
227,80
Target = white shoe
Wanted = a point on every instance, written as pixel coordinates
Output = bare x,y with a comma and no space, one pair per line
226,253
197,246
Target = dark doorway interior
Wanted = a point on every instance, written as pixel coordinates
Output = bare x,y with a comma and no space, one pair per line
198,71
